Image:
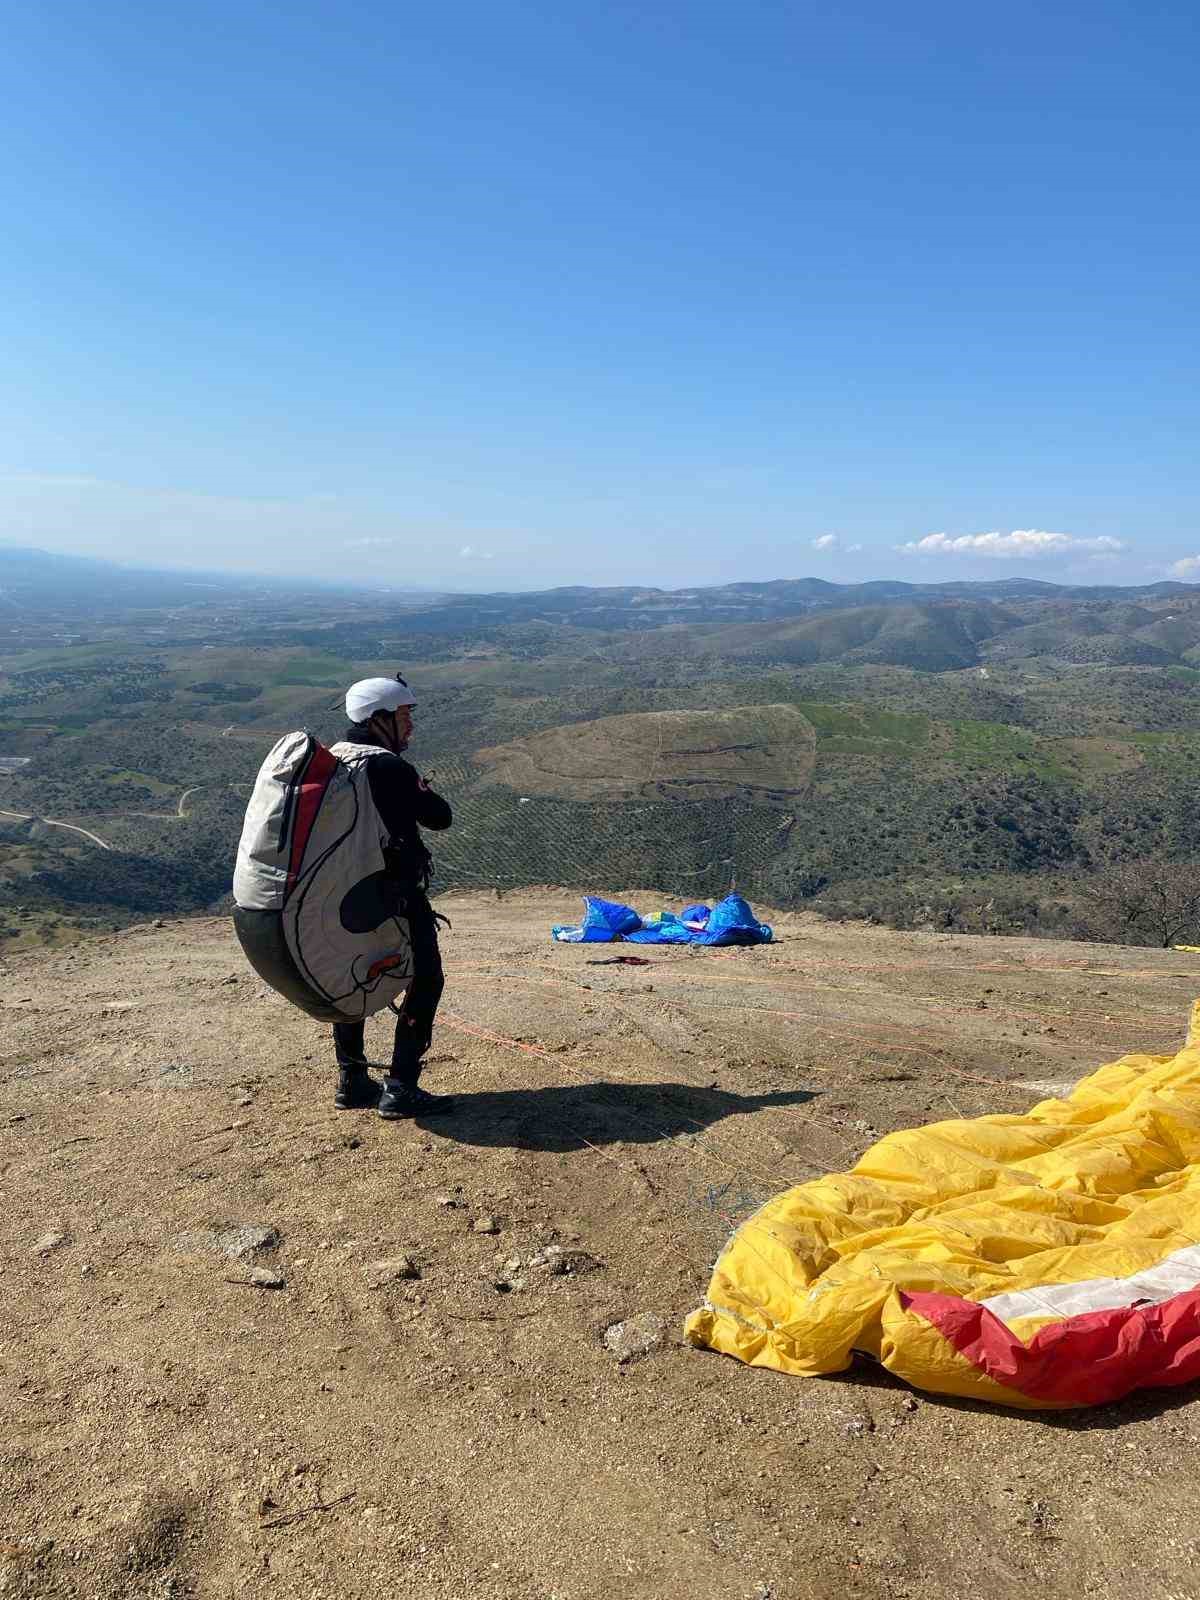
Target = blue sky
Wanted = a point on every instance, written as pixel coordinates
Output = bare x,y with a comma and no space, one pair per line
512,294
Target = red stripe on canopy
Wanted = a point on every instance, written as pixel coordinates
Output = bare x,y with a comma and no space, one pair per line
1081,1361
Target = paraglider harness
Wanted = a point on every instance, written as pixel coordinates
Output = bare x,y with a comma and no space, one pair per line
324,902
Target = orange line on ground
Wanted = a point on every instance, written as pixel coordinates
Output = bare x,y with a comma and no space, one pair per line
797,1016
487,1036
1095,1019
1130,1018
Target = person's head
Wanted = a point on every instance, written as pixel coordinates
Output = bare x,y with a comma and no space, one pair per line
385,706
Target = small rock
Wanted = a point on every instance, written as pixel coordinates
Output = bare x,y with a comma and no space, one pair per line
112,1007
391,1271
49,1242
260,1278
635,1337
243,1239
246,1100
232,978
485,1225
449,1202
909,1403
560,1263
158,923
510,1277
856,1427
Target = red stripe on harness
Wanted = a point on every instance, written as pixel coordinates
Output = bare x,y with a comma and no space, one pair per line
385,964
321,767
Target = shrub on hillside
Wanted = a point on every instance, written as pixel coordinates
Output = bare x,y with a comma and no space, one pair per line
1153,901
932,908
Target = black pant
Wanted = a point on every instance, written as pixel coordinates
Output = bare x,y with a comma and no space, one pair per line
414,1026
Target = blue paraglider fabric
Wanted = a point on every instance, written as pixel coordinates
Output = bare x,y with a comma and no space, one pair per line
603,921
730,921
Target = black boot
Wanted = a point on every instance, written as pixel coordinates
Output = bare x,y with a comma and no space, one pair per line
356,1088
408,1100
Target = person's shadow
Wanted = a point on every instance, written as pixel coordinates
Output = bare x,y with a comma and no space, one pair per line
566,1117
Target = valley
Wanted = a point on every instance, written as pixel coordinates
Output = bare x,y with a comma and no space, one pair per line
965,757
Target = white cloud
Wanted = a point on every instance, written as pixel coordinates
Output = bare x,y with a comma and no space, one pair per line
469,553
1020,542
1187,567
832,541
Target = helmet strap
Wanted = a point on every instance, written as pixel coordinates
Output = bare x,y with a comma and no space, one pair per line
384,723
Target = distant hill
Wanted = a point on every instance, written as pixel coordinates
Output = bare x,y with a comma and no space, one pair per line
749,752
45,580
930,627
644,609
929,637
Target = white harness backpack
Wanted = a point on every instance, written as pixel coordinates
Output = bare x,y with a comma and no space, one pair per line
316,912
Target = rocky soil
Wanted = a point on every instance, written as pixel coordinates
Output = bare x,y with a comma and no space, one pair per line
255,1346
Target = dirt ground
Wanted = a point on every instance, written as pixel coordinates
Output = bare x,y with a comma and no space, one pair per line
168,1429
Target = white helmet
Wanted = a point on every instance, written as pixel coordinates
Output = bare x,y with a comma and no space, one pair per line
370,695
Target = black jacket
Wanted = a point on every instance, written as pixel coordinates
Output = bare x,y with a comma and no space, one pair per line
406,804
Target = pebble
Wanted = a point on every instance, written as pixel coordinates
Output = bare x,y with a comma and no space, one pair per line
635,1337
49,1242
391,1271
260,1278
485,1225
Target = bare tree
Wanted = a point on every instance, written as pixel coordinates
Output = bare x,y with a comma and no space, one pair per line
1152,901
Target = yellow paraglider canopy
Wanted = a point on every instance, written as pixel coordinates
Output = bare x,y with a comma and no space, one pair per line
1044,1260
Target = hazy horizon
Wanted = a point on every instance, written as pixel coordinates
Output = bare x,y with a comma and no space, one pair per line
382,587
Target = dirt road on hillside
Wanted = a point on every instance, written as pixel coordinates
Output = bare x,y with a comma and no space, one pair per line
168,1428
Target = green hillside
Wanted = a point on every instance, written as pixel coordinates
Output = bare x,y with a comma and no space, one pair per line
961,761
